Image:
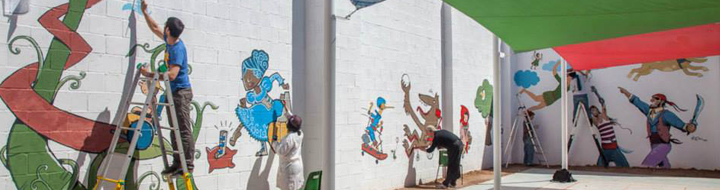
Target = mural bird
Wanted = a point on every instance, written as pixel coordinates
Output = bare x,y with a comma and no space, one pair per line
359,4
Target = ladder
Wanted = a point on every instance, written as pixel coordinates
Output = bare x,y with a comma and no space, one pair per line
521,118
581,110
148,107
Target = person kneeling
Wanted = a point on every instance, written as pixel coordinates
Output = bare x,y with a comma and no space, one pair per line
290,173
453,144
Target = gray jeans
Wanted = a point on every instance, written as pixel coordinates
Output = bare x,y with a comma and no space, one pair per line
182,99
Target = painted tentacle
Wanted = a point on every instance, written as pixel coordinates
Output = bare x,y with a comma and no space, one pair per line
153,185
76,81
38,50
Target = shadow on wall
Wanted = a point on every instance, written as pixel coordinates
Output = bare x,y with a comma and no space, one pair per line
104,116
259,180
410,179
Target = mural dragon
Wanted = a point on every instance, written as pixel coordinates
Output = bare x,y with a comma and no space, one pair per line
30,93
431,118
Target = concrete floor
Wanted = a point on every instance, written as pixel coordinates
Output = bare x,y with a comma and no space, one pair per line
540,179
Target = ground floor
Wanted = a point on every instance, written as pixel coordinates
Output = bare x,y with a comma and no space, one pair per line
517,177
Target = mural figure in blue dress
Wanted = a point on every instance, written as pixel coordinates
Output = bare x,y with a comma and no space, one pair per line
258,109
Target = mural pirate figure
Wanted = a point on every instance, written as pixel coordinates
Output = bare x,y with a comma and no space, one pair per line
610,147
659,121
176,59
446,139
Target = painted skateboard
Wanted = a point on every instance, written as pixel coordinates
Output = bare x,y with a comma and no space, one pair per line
373,152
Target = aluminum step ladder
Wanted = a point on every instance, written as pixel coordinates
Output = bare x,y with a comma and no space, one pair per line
523,118
148,107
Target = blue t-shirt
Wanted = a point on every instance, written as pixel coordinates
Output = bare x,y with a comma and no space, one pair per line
177,55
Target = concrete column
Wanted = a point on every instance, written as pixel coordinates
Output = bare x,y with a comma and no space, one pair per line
447,71
315,100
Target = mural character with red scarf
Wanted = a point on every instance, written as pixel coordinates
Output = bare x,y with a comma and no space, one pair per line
659,121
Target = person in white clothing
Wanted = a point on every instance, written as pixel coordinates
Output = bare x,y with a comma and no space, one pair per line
290,173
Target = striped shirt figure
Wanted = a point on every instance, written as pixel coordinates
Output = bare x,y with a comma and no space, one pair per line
607,135
608,140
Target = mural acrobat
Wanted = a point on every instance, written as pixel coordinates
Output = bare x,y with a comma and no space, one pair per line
683,64
372,143
257,109
431,118
658,124
484,103
33,89
547,98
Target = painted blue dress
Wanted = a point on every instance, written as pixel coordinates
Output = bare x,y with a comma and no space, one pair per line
257,117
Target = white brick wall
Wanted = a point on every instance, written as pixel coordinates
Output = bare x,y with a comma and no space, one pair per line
472,63
219,34
374,49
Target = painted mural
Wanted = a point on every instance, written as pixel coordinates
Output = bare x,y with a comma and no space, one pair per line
372,141
430,118
546,98
221,155
484,105
659,123
537,57
134,8
30,94
257,110
683,64
359,4
465,135
15,7
610,149
669,129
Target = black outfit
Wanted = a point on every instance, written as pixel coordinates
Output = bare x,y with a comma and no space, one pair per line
451,142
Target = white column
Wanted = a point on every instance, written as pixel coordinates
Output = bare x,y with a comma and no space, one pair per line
318,79
564,112
447,67
497,114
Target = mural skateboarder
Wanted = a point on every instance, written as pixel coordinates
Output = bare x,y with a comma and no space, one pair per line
372,144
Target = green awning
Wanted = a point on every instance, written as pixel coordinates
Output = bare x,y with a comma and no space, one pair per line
528,25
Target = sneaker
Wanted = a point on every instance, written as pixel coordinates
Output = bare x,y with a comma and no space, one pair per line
171,170
441,186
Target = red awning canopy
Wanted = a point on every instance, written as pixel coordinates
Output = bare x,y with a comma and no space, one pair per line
696,41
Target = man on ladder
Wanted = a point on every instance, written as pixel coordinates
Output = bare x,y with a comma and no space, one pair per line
528,134
176,59
179,95
580,89
531,141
